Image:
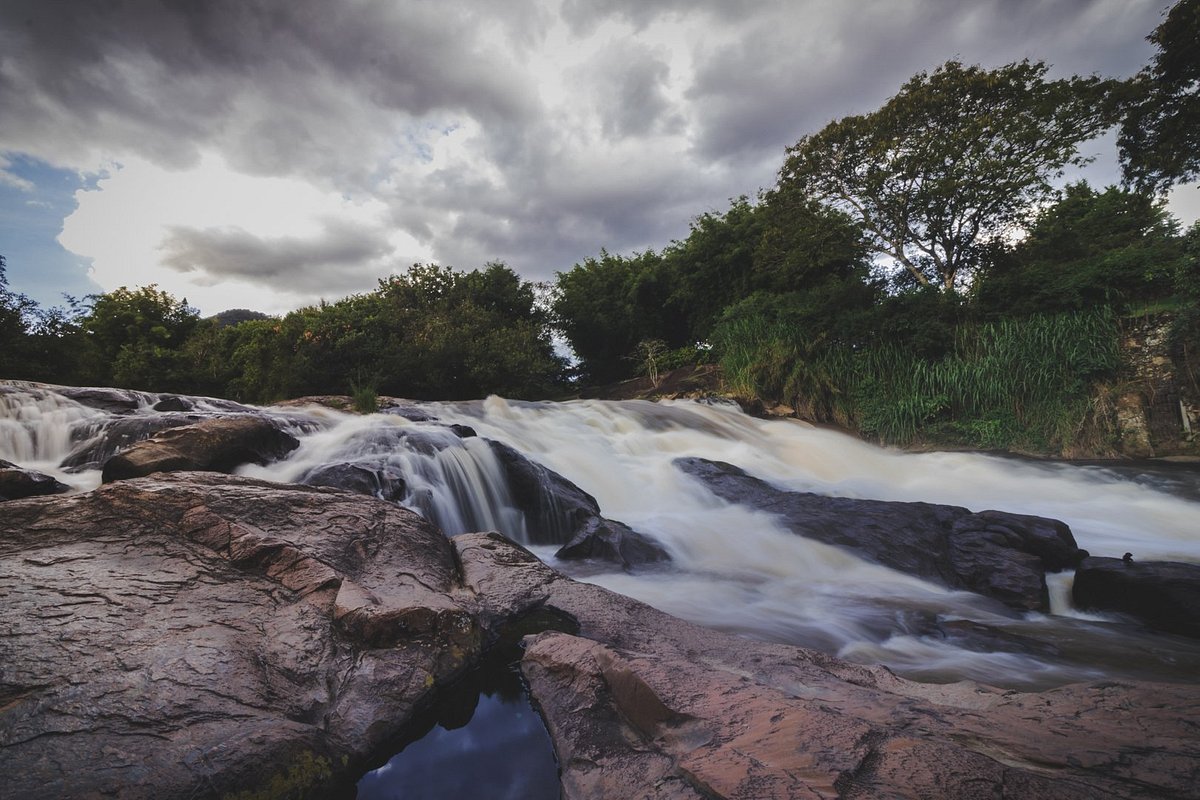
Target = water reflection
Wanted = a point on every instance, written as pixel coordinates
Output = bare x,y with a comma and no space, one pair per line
481,739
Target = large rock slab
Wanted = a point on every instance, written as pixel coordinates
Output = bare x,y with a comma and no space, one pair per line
199,635
1163,594
640,704
995,553
220,444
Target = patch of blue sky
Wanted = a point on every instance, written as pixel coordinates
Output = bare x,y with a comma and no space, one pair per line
35,198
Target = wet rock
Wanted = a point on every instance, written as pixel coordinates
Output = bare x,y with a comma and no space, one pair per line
555,508
174,403
382,481
17,482
559,512
407,411
997,554
615,542
201,635
640,704
114,401
220,444
119,433
1165,595
463,431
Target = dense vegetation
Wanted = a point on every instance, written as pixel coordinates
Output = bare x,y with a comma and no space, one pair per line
915,272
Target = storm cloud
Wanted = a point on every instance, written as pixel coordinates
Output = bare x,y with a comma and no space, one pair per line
532,132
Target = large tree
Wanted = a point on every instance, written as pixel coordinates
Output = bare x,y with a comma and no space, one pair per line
1160,135
950,163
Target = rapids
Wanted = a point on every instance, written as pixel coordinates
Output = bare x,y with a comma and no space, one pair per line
734,568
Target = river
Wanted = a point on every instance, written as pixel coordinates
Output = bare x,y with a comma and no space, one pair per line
734,568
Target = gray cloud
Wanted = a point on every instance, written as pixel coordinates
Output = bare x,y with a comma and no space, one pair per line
338,259
352,97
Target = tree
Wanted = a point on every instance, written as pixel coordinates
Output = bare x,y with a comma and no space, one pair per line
1091,248
135,338
954,160
1160,134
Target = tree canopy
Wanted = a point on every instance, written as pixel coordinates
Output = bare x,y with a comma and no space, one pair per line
949,163
1160,134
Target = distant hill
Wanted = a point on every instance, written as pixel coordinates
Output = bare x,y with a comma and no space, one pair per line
235,316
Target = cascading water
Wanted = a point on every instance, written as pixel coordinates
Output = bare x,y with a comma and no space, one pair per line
733,567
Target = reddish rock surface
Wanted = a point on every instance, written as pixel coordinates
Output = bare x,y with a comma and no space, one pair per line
641,704
200,635
193,635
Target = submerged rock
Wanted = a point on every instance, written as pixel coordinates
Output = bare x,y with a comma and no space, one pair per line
221,444
995,553
1163,594
17,482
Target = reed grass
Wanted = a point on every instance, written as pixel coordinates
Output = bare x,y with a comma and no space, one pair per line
1024,384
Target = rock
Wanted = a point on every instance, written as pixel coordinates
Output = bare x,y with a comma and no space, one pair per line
174,403
1163,594
221,443
119,433
114,401
616,542
640,704
207,636
559,512
380,481
201,635
462,431
555,508
17,482
994,553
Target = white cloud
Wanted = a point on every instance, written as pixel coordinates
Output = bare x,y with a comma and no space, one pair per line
220,237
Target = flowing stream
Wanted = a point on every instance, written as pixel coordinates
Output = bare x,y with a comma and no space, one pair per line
735,568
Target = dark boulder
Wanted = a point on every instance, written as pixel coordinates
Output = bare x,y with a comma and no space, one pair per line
377,480
997,554
616,542
17,482
219,444
1165,595
559,512
174,403
555,508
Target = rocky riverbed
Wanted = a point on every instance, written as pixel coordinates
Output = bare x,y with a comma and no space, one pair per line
202,635
180,632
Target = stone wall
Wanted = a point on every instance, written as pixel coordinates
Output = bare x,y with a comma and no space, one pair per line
1156,413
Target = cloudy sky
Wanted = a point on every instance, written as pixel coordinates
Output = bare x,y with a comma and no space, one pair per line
267,153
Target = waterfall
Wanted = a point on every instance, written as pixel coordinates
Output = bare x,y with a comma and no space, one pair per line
733,567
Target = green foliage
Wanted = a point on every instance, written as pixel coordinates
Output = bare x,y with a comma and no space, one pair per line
1022,384
950,163
1160,133
364,396
1116,248
605,306
134,338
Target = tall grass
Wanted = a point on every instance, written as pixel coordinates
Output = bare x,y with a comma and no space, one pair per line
1025,384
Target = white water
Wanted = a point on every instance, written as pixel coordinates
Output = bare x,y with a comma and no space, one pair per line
735,568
